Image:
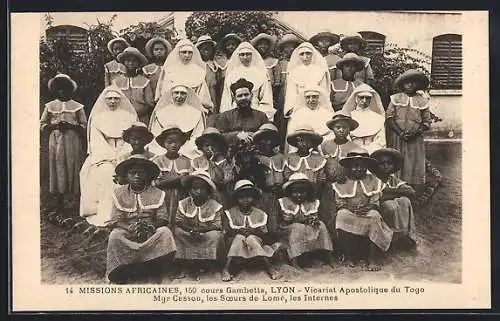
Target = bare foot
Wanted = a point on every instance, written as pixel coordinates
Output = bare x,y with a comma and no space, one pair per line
373,267
295,264
350,263
226,276
274,274
180,275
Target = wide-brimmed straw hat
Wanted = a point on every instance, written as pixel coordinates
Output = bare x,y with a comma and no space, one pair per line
138,160
394,154
356,37
297,179
414,75
288,38
134,52
334,38
245,185
62,77
205,39
169,130
351,58
342,116
358,154
148,48
138,127
186,181
213,133
266,130
117,39
264,36
307,131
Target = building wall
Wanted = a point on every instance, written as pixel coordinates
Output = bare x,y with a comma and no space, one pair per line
405,29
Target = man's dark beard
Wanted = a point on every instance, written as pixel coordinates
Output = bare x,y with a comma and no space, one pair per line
245,109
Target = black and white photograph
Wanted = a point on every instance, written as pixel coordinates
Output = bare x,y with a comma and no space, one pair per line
193,149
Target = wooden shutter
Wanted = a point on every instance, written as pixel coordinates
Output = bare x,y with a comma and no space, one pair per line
375,42
75,36
446,68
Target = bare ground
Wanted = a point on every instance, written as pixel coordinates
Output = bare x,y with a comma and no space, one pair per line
437,258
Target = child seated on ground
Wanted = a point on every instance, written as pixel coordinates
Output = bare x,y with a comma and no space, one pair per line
246,227
304,231
173,166
140,244
198,224
395,204
362,233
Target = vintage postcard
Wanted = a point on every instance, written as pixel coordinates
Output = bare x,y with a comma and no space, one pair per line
250,160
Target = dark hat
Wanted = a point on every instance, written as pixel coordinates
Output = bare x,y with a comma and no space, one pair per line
325,34
264,36
288,38
355,37
140,128
186,181
358,154
117,39
62,78
211,132
297,179
241,83
394,154
205,39
414,75
351,58
169,130
149,45
138,160
315,138
245,185
266,130
353,124
134,52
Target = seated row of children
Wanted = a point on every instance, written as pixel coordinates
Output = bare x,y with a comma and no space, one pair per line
332,197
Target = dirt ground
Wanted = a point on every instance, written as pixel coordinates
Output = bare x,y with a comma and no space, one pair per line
437,258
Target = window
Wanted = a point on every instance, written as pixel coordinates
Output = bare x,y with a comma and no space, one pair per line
375,42
446,68
77,37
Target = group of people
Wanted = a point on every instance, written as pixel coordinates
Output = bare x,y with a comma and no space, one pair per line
221,152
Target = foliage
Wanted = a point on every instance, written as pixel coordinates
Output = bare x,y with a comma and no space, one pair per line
391,63
246,24
138,35
86,68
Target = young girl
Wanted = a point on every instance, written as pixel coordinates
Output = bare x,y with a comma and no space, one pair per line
395,201
140,243
299,213
408,117
137,136
246,228
362,233
157,50
206,46
306,160
134,85
214,147
173,167
198,223
225,48
354,43
285,46
265,44
64,120
114,68
267,140
333,150
343,87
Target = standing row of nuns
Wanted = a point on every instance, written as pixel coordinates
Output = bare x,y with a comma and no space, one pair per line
222,153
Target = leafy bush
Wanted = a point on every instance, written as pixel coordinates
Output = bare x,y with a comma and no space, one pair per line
138,35
246,24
